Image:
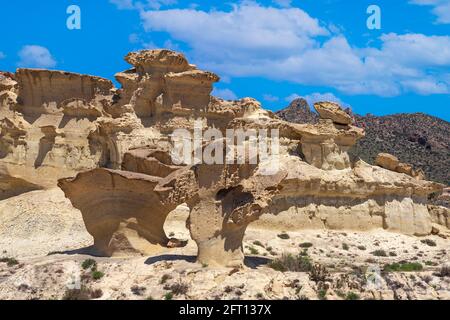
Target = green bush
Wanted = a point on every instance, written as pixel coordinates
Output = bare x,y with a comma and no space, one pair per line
352,296
403,267
88,264
168,296
284,236
288,262
379,253
97,275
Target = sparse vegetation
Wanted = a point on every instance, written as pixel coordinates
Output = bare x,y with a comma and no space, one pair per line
178,288
352,296
253,250
84,293
362,248
10,262
403,267
89,264
97,275
288,262
137,290
164,278
345,246
445,271
258,243
379,253
322,294
429,242
284,236
168,296
305,245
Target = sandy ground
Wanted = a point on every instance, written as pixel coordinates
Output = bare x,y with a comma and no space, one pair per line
49,244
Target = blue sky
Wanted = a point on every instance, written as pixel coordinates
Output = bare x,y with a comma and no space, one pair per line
273,50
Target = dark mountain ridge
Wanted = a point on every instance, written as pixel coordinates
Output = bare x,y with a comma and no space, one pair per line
416,138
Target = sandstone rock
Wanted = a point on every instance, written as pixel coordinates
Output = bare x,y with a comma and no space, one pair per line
333,111
387,161
124,211
118,145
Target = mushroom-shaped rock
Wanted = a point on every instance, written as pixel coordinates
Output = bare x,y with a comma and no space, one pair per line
230,197
333,111
124,211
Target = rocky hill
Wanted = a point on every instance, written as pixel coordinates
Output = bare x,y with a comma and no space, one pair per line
419,139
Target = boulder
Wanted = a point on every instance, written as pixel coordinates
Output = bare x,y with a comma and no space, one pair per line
387,161
334,112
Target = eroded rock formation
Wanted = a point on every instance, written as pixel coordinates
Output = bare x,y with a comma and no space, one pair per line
112,152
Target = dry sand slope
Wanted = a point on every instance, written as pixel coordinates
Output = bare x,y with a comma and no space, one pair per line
44,234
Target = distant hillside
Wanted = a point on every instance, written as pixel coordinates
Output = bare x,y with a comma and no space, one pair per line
416,138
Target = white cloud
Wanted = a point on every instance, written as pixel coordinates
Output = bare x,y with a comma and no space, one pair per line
441,9
225,94
142,5
2,55
288,44
283,3
123,4
33,56
270,98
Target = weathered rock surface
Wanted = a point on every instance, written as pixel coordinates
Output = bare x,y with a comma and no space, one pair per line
118,145
334,112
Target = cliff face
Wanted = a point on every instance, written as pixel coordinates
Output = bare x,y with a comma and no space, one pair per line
112,152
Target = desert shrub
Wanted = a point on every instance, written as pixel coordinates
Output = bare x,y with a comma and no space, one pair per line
379,253
445,271
284,236
258,243
431,263
352,296
253,250
345,246
392,254
305,245
84,293
288,262
10,262
137,290
322,294
96,294
429,242
318,273
403,267
97,275
168,296
164,278
178,288
228,289
89,264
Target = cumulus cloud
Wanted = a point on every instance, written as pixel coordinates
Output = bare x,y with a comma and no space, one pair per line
270,98
288,44
225,94
283,3
142,5
34,56
440,8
